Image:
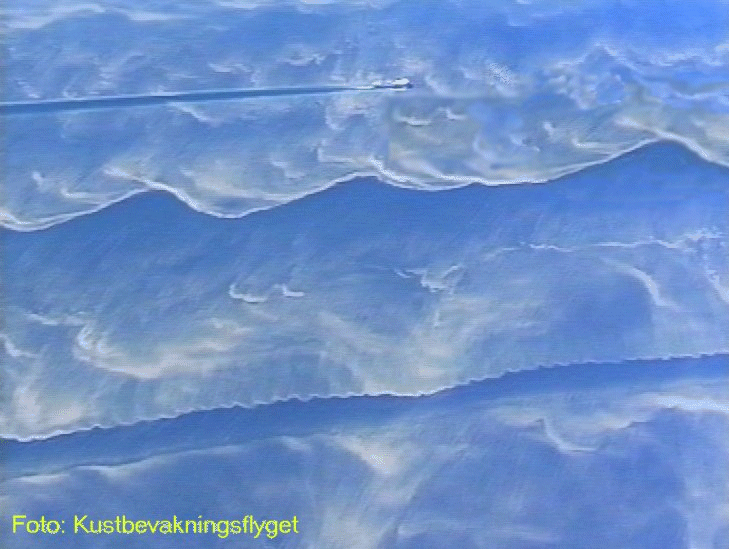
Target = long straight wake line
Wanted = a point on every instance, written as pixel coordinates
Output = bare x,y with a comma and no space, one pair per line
166,98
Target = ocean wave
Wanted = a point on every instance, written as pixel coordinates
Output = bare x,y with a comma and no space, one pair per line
412,469
194,430
515,105
155,309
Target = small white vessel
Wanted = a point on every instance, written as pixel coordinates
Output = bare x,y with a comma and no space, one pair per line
397,84
401,83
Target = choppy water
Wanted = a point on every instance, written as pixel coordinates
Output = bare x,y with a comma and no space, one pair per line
490,311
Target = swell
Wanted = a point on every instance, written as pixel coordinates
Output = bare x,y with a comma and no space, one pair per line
150,224
296,417
670,144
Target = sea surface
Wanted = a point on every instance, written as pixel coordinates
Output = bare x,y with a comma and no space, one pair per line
488,311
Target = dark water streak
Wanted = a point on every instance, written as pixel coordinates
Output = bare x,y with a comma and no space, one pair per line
237,425
168,98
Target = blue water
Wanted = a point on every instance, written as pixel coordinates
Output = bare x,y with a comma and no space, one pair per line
488,311
130,101
440,465
367,288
